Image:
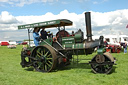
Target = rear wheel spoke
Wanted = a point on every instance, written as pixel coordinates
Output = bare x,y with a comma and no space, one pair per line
45,67
46,54
39,53
49,58
50,62
49,55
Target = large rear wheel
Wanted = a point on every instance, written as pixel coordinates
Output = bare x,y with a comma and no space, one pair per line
45,58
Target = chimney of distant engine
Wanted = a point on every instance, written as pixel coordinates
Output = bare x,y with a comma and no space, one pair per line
88,26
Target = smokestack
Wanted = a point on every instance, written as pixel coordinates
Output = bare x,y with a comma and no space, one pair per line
88,26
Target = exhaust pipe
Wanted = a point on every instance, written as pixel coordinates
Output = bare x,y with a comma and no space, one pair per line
88,26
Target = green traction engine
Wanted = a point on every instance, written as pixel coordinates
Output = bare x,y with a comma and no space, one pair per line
56,52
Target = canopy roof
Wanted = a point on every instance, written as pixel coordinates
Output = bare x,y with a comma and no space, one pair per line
47,24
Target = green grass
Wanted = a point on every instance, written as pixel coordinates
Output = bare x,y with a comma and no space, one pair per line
11,73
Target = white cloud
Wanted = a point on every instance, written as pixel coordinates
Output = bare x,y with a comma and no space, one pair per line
115,20
3,0
7,21
95,2
23,2
83,1
6,18
100,1
102,23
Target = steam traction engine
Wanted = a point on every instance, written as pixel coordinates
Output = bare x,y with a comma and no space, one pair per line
58,51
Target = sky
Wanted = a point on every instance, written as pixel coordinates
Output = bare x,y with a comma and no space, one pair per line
107,16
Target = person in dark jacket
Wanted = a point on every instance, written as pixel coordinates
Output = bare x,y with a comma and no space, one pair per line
125,46
44,34
36,36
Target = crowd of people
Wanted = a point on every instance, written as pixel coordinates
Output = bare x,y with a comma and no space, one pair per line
122,44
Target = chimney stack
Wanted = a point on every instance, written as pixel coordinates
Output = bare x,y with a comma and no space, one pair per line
88,26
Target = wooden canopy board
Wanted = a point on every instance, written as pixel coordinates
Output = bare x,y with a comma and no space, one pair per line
47,24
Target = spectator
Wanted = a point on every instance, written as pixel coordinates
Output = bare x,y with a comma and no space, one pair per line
125,46
105,43
44,34
73,33
36,36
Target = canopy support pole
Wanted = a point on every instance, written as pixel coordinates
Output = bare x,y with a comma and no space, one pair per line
29,37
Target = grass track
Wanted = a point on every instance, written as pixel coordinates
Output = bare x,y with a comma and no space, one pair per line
11,73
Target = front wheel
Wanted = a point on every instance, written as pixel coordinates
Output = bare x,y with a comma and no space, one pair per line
101,64
45,58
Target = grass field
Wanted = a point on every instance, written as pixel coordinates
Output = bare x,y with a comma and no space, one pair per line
11,73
